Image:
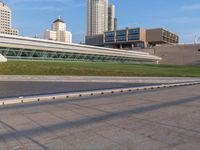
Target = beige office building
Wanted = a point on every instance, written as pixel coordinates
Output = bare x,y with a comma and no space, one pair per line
97,17
6,20
161,36
58,32
131,38
128,38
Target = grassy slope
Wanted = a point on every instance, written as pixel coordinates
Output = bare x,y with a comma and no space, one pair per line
93,69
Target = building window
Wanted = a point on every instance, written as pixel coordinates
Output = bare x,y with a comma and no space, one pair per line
133,31
109,39
141,45
121,38
109,34
133,37
198,50
121,33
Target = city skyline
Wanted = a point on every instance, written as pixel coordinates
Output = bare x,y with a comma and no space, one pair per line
181,17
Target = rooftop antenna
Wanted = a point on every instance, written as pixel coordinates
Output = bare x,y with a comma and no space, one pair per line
198,40
195,39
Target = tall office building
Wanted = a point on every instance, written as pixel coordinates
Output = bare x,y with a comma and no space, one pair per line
111,17
59,32
97,17
6,20
115,26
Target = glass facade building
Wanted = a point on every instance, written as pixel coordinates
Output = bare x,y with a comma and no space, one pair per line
127,38
134,38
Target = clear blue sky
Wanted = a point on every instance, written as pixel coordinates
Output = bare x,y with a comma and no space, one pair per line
33,17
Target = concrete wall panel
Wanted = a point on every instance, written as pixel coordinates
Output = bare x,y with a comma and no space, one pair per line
179,54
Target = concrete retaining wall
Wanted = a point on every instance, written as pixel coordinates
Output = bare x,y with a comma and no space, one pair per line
187,54
179,54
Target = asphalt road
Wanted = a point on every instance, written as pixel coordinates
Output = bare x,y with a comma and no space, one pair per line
25,88
167,119
96,79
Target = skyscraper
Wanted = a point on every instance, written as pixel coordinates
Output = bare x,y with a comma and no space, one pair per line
97,17
6,20
111,17
115,26
59,32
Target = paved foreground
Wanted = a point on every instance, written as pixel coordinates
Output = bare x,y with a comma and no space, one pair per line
167,119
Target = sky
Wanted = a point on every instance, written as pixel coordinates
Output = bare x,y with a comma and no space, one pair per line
33,17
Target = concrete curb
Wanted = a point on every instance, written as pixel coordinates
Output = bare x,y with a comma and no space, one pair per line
68,96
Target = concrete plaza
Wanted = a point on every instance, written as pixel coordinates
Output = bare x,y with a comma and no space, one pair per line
167,119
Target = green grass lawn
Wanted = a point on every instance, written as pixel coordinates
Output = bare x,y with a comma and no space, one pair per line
96,69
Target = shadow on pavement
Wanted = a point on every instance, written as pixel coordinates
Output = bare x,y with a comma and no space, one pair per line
89,120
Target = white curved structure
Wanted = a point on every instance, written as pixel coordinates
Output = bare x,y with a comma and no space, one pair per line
19,43
2,58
